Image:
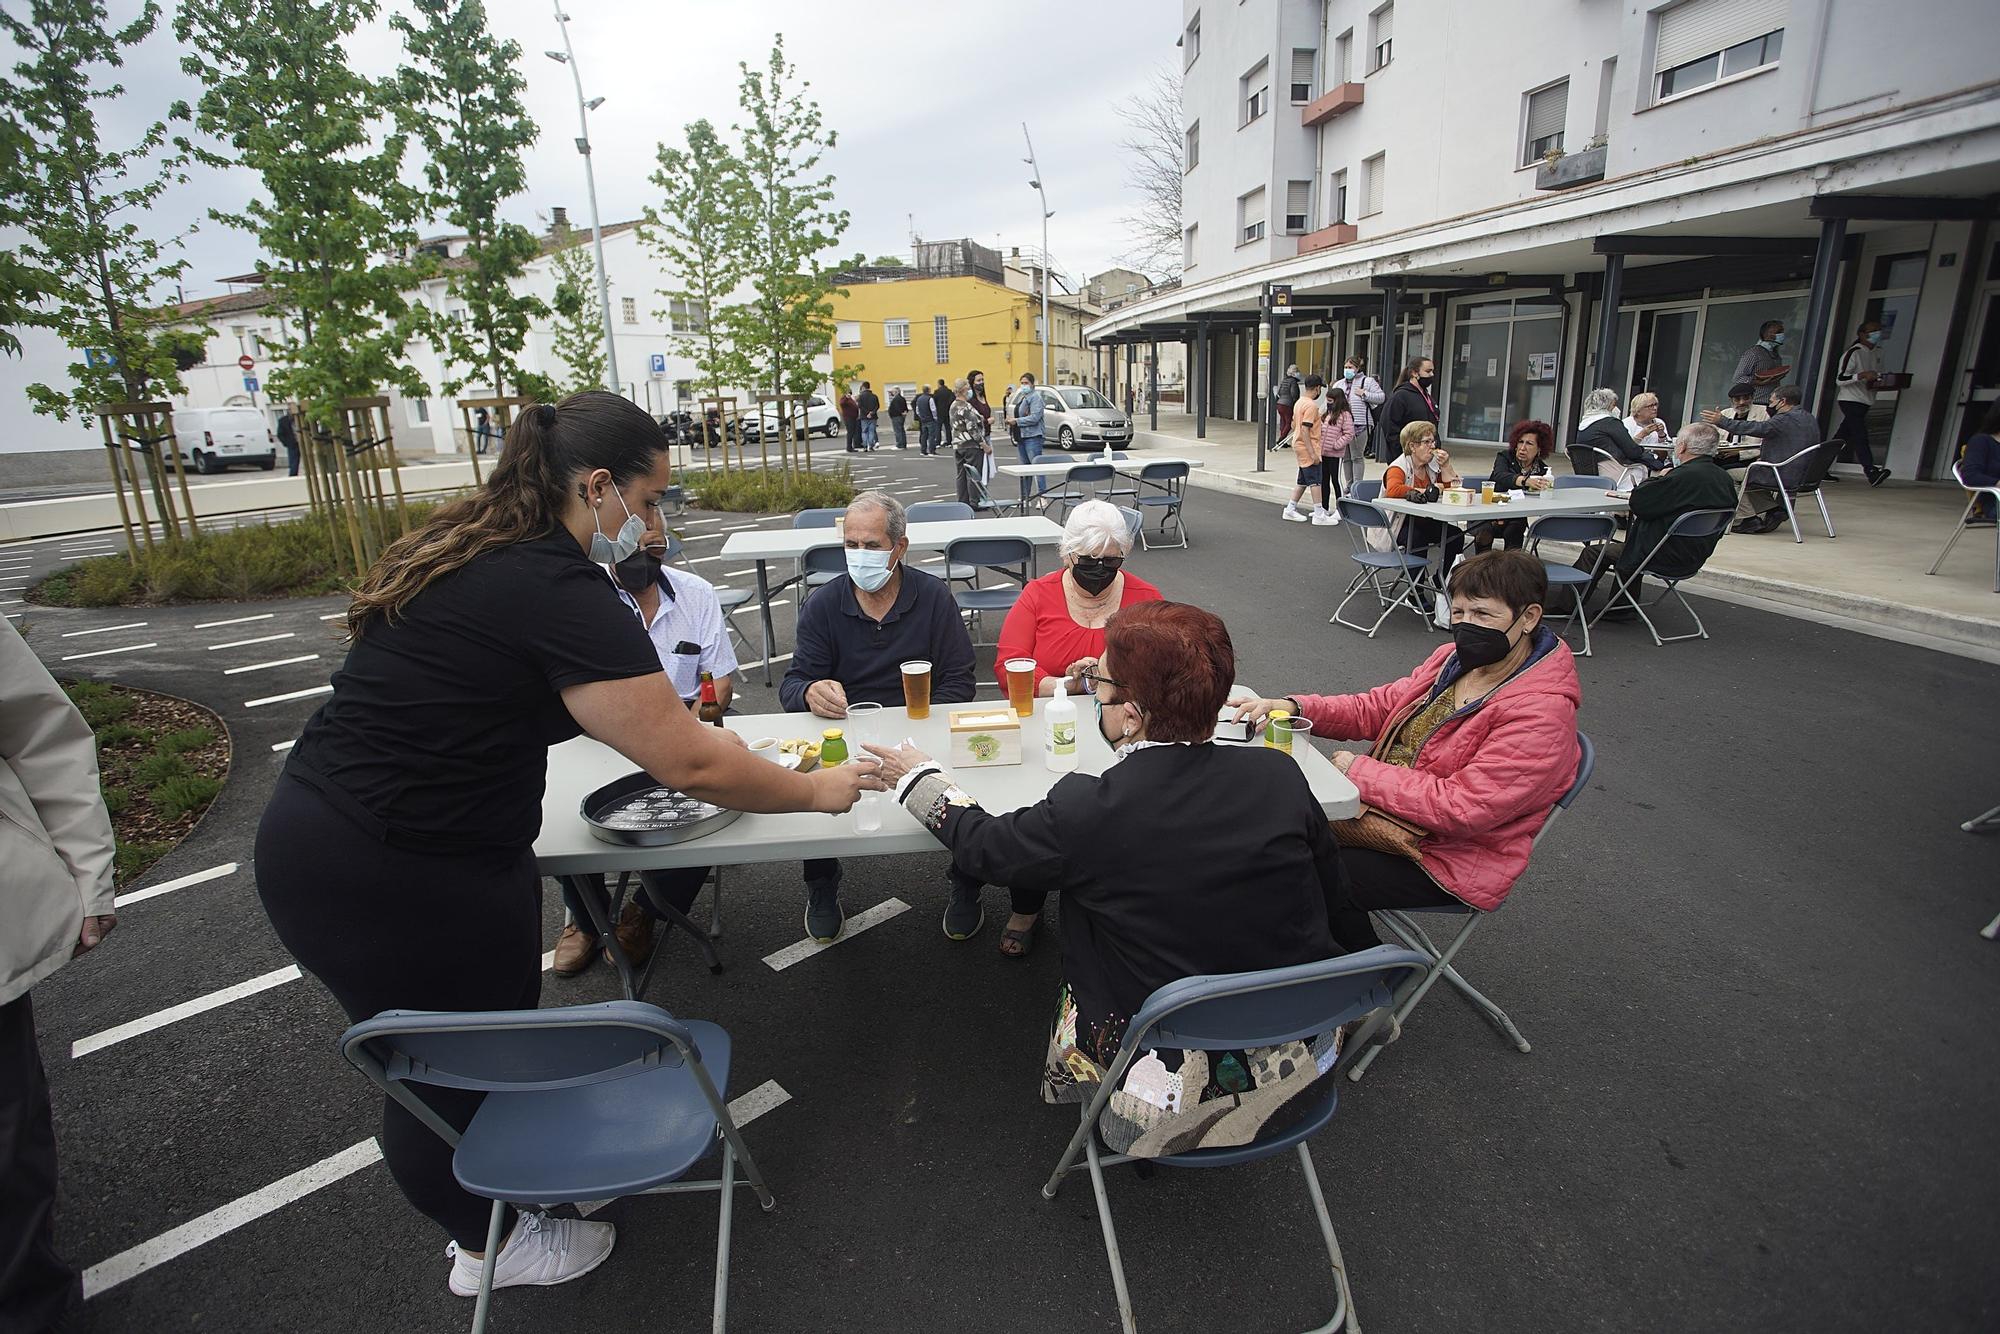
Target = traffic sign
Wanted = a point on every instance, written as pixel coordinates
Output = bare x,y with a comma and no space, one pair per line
659,363
250,385
1281,297
247,362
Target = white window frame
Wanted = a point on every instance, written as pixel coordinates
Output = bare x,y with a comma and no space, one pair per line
1530,154
1253,94
1304,223
628,310
1312,77
1723,20
895,333
846,333
1249,231
1343,60
1191,148
1188,239
941,339
1191,41
1381,49
1375,181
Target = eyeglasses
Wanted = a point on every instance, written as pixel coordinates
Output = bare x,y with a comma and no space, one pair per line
1091,680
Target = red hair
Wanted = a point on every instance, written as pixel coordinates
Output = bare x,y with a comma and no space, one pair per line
1176,663
1545,435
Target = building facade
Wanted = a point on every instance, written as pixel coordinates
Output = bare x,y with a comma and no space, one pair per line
1550,195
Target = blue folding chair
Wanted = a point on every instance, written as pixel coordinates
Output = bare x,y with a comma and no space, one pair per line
1234,1012
1695,523
1583,528
1402,924
816,568
945,511
1573,482
586,1102
1011,556
982,499
1080,474
1407,571
1134,522
1163,486
1369,488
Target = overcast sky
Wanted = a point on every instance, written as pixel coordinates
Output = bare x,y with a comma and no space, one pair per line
928,108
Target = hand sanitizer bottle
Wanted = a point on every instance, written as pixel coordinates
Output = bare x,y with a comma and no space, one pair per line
1059,741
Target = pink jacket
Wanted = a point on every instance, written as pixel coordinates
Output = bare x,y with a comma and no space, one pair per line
1484,782
1334,434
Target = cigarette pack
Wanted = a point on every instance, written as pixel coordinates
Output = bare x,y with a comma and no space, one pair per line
984,737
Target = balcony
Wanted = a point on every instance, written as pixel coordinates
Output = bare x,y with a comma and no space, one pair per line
1571,170
1341,233
1339,98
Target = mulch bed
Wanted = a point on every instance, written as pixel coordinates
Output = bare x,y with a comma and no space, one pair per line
147,832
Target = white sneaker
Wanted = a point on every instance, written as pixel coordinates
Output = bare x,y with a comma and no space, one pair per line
1325,518
1292,515
542,1250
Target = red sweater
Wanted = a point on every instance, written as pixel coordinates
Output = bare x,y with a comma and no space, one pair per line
1040,627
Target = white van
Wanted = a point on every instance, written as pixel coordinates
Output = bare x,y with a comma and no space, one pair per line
213,438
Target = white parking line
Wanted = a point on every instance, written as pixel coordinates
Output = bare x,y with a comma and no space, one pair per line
107,652
285,745
707,537
261,639
265,666
856,924
238,620
334,616
280,699
11,602
703,560
771,661
153,892
185,1010
105,629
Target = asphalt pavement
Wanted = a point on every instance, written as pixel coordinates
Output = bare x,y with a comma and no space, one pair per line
1761,1095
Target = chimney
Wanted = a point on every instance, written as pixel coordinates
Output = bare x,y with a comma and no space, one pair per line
559,218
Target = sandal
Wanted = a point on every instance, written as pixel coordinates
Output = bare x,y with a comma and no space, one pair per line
1016,942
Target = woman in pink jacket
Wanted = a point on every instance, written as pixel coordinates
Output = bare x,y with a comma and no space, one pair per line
1472,748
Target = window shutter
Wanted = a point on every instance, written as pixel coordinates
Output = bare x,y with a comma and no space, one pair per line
1383,21
1298,202
1547,110
1376,169
1703,27
1302,68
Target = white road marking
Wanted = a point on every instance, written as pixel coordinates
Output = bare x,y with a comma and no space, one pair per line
280,699
703,560
185,1010
238,620
856,924
707,537
743,1109
275,662
11,602
731,574
334,616
105,629
153,892
285,745
261,639
107,652
739,527
772,661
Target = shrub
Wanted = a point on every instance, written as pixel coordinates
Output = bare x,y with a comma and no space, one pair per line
177,743
132,859
117,734
770,491
188,795
157,768
99,704
116,799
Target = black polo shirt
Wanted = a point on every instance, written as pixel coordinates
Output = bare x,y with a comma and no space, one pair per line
840,642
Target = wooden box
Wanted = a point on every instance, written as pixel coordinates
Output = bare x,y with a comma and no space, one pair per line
984,737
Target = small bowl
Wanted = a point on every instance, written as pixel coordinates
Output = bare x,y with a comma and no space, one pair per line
766,748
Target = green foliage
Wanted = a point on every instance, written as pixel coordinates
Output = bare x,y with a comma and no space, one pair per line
699,234
23,286
99,704
179,743
769,490
188,795
333,215
579,316
116,799
132,859
91,253
156,769
117,734
462,98
298,559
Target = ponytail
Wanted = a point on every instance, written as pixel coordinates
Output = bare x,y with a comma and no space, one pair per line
548,448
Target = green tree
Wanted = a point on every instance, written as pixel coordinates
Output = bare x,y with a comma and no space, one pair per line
579,323
788,224
23,286
698,233
335,218
462,99
89,254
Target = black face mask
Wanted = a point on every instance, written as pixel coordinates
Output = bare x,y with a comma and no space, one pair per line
638,571
1425,382
1480,645
1093,574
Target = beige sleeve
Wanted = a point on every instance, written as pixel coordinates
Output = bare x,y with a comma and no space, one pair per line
52,750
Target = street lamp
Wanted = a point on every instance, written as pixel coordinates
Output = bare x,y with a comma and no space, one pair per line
567,56
1048,330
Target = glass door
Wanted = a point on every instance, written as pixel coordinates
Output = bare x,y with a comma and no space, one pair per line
1982,377
1663,359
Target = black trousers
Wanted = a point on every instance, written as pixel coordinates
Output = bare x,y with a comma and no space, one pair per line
1377,880
36,1287
821,870
340,899
677,888
854,435
1854,430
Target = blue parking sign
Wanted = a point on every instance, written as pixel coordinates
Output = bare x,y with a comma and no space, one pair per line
659,363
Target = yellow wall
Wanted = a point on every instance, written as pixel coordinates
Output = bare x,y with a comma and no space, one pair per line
981,326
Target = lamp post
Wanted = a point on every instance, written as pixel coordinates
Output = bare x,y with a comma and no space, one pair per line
567,56
1048,330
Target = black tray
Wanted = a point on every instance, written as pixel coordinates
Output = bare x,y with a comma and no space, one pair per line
686,818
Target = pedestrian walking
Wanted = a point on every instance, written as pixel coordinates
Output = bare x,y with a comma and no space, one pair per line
941,400
1305,445
1336,445
1860,369
850,416
898,409
1025,417
288,436
869,407
482,430
969,447
55,904
1760,363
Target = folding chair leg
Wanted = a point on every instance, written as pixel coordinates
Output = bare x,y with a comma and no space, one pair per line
485,1300
1825,517
1125,1317
1992,931
1792,513
1981,824
722,1239
1343,1311
1412,936
1952,540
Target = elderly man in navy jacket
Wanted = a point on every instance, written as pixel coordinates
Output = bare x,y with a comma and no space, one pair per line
1787,432
854,637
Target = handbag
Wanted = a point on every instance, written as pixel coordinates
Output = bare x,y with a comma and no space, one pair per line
1379,831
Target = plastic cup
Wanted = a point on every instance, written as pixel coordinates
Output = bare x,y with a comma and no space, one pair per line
766,748
1288,734
862,725
1021,686
917,689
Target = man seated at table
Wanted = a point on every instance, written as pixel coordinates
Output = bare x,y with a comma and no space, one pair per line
682,616
1698,482
1788,431
855,634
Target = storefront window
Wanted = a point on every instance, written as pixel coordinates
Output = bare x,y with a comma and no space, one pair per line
1730,329
1504,367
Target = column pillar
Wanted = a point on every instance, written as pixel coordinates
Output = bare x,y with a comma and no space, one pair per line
1607,326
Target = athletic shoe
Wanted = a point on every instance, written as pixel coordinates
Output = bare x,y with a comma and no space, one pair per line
541,1251
964,913
1877,476
1292,515
1325,518
824,918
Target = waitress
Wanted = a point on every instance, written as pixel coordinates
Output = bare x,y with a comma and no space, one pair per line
396,856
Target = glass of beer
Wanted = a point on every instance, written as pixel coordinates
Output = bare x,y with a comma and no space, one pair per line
1021,686
917,689
1486,492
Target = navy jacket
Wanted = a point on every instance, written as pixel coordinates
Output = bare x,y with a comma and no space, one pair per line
838,642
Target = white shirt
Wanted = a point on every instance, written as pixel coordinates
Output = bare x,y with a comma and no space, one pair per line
1656,440
691,615
1858,359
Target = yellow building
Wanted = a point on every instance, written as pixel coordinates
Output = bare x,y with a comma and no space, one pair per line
909,331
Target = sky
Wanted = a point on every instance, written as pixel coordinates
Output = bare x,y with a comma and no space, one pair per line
927,105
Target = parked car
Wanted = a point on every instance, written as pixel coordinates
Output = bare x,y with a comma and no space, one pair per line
821,418
211,439
1076,417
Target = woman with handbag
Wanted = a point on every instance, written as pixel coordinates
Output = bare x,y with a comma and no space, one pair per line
1471,751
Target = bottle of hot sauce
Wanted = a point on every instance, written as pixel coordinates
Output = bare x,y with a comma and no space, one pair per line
710,708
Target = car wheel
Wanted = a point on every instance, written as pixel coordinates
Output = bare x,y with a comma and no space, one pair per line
203,464
1065,439
269,462
832,429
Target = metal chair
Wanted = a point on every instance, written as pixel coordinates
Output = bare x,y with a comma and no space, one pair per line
1079,473
816,568
1369,488
1403,926
1590,483
1700,524
1804,480
586,1102
982,500
1012,556
1358,517
1584,528
1163,486
605,906
1234,1012
731,599
1991,494
1134,522
945,511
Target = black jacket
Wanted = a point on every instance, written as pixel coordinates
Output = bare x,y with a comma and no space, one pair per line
1288,390
1698,484
1406,403
1609,434
897,407
869,405
1508,472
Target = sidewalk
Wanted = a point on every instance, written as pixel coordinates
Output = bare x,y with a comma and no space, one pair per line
1872,577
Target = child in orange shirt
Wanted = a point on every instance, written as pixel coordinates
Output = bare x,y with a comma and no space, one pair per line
1305,444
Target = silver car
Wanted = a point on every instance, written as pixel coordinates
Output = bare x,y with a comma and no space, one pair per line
1076,417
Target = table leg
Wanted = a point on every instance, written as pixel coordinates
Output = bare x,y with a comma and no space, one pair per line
764,614
604,910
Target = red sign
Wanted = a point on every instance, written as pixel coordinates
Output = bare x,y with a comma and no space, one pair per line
247,362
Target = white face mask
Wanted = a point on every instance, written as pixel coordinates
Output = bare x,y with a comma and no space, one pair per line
869,570
609,551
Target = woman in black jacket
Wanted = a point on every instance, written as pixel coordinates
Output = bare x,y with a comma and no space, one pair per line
1410,401
1522,466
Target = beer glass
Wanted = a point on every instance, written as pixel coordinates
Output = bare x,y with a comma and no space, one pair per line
1021,686
917,689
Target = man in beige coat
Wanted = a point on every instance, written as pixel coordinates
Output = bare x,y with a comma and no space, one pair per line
55,903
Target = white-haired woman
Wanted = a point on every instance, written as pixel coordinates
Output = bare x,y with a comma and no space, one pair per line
1602,429
1059,623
